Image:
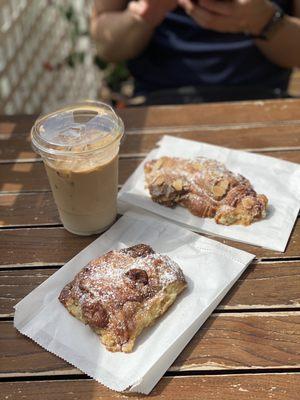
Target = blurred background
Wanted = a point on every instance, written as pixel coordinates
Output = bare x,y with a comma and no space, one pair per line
47,58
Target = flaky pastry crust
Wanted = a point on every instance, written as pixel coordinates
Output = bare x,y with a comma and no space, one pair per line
206,188
122,292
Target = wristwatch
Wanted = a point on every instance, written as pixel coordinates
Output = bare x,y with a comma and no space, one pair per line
271,26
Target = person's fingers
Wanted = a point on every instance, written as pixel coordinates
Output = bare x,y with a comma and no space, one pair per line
218,6
210,20
138,7
187,5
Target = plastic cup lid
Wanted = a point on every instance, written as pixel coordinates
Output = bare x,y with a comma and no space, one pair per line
76,129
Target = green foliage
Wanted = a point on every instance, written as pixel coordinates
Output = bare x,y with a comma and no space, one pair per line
114,74
101,64
118,74
76,30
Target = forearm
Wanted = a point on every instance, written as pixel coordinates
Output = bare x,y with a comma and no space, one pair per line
283,48
250,16
120,35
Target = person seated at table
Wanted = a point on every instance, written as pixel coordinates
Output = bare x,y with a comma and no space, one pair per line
182,50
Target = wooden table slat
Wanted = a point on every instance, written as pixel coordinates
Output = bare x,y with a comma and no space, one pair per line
31,176
17,146
209,113
55,246
250,125
231,341
262,286
40,246
28,209
226,387
246,112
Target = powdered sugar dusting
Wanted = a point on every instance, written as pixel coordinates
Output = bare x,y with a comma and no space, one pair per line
111,289
161,271
203,186
106,280
199,174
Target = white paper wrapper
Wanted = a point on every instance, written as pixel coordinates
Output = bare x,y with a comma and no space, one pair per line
210,268
279,180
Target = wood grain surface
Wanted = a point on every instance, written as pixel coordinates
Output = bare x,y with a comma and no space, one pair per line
28,209
40,246
246,125
248,349
31,176
55,246
222,387
259,138
262,286
225,342
245,112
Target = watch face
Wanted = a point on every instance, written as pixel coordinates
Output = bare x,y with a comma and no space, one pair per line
275,23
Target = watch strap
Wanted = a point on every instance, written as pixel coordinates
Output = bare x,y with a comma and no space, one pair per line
270,26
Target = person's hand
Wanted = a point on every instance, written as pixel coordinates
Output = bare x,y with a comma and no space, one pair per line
152,11
230,16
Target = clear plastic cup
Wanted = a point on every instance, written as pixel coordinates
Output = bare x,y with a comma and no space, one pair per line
79,145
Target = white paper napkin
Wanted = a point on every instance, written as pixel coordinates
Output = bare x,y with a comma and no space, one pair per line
279,180
210,268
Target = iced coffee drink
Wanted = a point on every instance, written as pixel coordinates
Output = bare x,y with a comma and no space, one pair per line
80,146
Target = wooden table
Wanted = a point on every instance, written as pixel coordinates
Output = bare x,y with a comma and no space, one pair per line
248,349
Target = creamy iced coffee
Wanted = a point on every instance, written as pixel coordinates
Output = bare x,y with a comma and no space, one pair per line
81,160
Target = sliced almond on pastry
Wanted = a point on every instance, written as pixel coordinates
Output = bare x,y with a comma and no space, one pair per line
198,166
159,180
177,184
220,189
159,163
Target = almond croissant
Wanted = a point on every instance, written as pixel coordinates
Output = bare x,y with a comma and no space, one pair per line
206,188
